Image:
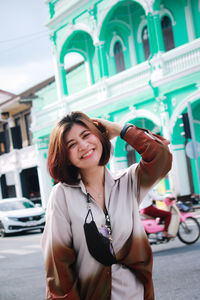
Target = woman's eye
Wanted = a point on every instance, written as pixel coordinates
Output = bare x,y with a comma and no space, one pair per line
71,146
86,134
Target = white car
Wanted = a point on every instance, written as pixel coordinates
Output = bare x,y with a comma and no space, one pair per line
18,215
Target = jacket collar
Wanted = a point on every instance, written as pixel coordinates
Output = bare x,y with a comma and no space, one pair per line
109,181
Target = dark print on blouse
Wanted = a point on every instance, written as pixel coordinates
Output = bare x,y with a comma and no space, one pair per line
99,245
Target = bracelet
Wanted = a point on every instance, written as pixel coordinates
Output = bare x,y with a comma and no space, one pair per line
124,129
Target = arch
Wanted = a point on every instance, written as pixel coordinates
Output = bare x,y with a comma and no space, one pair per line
116,38
72,30
179,109
119,57
145,42
119,144
141,113
167,30
79,51
166,12
143,23
110,7
79,42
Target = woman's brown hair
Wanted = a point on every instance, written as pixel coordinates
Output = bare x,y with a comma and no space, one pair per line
60,168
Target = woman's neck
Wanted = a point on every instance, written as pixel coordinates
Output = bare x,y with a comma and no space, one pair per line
94,176
93,180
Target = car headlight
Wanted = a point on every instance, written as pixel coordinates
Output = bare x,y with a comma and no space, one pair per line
12,218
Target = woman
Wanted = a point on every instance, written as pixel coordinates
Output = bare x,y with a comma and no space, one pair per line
94,244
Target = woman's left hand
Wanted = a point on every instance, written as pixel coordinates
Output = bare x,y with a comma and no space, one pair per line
113,129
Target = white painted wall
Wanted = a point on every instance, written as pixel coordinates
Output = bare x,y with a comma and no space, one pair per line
180,173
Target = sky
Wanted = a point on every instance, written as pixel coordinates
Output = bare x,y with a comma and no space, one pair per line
25,48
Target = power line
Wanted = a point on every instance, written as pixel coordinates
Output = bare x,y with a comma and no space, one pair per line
24,37
13,48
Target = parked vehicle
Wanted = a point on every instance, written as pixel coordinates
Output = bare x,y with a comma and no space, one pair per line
17,215
188,226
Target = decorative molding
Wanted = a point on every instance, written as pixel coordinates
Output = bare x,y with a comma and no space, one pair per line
179,109
140,113
115,39
165,11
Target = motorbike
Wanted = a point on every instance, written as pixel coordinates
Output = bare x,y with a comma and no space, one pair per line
187,227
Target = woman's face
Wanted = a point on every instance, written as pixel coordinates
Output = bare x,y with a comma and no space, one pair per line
84,148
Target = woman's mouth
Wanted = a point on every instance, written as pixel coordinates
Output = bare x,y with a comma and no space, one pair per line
87,154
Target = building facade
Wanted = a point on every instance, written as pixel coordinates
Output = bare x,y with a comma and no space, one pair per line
139,62
18,156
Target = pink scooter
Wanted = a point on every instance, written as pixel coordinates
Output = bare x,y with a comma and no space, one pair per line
188,226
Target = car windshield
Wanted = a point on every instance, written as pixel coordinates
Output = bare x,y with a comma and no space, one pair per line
15,205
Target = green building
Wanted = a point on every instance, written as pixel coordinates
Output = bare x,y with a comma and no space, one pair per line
138,62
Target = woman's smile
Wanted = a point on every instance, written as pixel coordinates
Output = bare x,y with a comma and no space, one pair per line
88,154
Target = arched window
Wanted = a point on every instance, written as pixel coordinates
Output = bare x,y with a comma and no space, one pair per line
145,41
119,57
167,33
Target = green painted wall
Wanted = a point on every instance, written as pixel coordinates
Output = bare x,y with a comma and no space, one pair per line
122,20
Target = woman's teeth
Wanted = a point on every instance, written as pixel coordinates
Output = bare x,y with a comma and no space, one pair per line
88,153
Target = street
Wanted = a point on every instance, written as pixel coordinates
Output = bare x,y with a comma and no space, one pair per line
176,269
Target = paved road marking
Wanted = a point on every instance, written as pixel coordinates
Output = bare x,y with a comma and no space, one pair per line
36,246
29,249
16,251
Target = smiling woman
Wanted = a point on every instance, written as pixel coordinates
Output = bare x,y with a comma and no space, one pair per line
74,131
94,243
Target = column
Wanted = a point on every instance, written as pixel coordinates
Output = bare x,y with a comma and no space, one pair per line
155,33
18,187
164,115
189,21
59,71
91,71
101,54
158,32
45,181
151,33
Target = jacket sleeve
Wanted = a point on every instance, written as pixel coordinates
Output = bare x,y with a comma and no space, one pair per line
156,159
58,251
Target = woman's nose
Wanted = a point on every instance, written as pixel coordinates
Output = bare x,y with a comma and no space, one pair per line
82,145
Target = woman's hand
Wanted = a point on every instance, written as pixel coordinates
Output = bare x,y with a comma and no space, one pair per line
113,129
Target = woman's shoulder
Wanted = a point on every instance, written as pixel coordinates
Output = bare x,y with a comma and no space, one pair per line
58,190
61,186
123,172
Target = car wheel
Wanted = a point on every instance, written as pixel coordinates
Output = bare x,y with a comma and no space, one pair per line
2,231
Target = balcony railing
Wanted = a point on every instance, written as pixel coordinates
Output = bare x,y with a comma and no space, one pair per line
182,58
185,58
18,159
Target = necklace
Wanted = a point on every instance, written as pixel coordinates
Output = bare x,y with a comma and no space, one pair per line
99,195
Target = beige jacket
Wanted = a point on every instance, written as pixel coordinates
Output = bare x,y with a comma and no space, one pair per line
71,271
